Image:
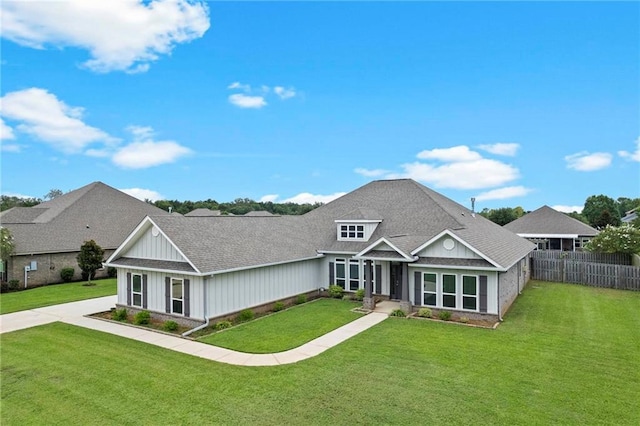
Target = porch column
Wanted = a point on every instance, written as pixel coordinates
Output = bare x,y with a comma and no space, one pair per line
368,302
405,303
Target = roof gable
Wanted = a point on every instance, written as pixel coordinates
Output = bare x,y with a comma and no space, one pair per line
547,221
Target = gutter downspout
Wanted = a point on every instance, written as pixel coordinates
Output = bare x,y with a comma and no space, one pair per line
204,311
499,310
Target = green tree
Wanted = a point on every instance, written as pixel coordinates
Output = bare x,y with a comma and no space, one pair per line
600,211
616,239
90,258
501,216
53,193
578,216
627,204
10,201
7,246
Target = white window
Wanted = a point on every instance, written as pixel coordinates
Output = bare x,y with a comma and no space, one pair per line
449,291
354,275
177,296
470,292
352,232
430,289
136,290
341,272
347,274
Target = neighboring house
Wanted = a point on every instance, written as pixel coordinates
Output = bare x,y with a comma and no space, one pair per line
630,216
550,229
394,238
203,213
48,236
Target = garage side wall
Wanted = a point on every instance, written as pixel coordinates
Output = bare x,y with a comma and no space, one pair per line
235,291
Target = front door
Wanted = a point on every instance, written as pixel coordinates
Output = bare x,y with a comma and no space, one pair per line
395,281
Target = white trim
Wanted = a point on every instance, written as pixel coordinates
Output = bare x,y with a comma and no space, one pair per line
144,268
361,255
457,267
244,268
340,253
358,221
549,235
136,234
460,240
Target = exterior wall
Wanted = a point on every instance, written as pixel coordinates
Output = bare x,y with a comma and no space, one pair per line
234,291
49,267
459,250
512,282
158,247
492,287
156,292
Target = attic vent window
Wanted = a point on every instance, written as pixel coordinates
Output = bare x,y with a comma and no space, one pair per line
352,232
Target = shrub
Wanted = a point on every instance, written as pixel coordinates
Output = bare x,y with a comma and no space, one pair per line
302,298
359,294
67,273
112,272
424,313
170,325
221,325
246,315
335,291
119,314
278,306
142,318
397,313
14,285
444,315
464,320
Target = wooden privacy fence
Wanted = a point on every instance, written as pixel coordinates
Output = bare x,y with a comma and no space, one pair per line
584,256
623,277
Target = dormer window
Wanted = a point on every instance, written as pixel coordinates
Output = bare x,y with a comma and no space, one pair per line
352,232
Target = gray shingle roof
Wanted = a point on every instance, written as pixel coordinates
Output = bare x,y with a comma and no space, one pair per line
203,212
411,215
95,211
547,221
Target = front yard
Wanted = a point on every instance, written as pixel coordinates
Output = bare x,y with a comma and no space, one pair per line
55,294
565,354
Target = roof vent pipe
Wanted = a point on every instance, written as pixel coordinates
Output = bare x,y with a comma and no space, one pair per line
473,205
170,208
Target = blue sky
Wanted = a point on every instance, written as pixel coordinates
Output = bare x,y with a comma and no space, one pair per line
514,103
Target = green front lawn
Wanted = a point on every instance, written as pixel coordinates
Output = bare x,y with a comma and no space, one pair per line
55,294
286,329
565,354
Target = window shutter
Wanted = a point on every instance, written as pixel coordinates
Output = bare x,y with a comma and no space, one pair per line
128,288
144,291
483,293
378,279
187,311
167,294
417,295
332,278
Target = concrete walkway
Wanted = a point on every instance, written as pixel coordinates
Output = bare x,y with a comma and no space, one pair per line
75,313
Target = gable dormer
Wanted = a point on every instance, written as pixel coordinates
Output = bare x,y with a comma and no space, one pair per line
357,225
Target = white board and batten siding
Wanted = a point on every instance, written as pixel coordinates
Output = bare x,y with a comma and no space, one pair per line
156,301
492,284
442,247
153,245
234,291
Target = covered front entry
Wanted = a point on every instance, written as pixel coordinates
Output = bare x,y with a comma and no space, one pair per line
395,281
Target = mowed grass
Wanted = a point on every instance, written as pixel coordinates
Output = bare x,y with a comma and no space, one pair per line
55,294
287,329
564,355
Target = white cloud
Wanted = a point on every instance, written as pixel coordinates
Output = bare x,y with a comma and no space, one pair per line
143,194
633,156
507,149
308,198
144,152
503,193
10,147
481,173
268,198
456,153
246,101
370,172
123,35
6,132
567,209
45,117
240,86
585,162
284,93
